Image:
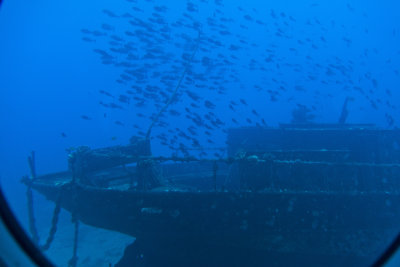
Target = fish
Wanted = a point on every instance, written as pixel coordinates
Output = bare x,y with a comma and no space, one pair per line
146,61
86,31
109,13
89,40
255,112
86,117
107,27
209,104
103,92
243,101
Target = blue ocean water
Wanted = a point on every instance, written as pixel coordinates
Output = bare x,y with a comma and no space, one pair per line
96,72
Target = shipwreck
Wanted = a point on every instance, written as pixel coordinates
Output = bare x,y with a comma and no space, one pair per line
299,194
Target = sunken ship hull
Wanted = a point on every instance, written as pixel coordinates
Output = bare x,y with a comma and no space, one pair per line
310,194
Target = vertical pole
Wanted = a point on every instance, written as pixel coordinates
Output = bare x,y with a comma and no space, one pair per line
31,162
215,168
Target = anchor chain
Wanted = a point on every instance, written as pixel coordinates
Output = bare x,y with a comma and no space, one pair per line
74,259
32,221
74,219
31,217
54,221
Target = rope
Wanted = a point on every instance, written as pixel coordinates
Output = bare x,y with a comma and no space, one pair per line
175,91
187,159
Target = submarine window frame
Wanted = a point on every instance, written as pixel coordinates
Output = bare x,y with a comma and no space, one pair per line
20,237
38,258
